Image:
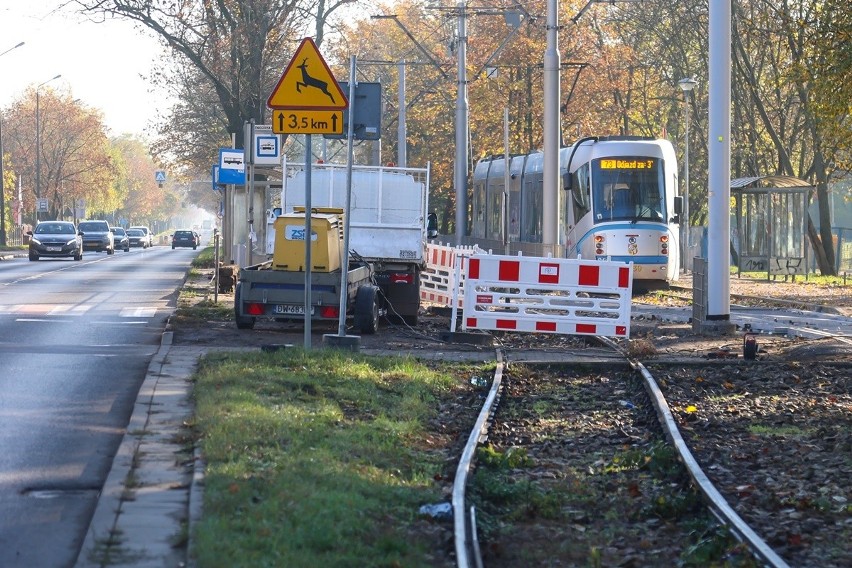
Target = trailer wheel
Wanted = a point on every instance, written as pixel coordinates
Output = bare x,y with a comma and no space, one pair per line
367,309
410,320
241,321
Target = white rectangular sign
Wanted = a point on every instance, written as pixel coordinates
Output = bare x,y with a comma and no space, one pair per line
267,146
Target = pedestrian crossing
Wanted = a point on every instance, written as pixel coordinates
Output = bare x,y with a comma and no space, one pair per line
75,310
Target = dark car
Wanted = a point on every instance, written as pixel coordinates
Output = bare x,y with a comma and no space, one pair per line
56,239
120,240
138,238
185,238
97,236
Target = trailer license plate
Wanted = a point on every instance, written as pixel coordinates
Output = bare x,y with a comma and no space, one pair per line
291,309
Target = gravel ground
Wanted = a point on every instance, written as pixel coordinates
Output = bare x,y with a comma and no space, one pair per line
776,440
773,433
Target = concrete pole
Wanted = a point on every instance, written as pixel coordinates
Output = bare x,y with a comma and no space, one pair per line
402,133
719,144
550,222
38,142
461,128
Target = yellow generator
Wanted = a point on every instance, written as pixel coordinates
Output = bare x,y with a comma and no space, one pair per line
326,241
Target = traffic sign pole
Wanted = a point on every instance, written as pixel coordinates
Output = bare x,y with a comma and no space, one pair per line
308,236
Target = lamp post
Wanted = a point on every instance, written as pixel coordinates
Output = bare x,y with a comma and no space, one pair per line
38,142
686,85
2,181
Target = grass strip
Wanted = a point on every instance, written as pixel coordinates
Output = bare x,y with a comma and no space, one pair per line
321,458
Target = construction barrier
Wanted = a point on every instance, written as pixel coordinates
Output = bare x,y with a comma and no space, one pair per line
548,295
438,280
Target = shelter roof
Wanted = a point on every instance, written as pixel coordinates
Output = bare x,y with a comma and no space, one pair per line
769,182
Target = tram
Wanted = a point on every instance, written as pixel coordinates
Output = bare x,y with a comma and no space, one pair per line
618,203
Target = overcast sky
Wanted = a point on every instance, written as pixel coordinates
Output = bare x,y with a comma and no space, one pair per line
105,65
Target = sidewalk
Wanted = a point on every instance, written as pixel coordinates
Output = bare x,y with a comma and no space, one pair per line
152,495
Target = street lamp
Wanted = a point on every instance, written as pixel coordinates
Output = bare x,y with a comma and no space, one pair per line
38,142
686,85
2,182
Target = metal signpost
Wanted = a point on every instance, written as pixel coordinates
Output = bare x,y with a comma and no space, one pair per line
307,100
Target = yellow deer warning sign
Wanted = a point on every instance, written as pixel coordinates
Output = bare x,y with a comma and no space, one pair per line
307,83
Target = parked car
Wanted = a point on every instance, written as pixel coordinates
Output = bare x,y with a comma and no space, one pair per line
138,238
119,237
186,238
55,239
149,236
97,236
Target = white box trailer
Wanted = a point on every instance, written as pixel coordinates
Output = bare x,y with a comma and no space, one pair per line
387,226
388,206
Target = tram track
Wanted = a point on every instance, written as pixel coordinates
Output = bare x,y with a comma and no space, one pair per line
684,294
589,448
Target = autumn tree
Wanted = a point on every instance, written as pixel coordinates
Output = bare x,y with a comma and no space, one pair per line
142,201
225,59
73,148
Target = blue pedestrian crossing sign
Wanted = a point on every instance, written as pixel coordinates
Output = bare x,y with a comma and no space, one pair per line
160,176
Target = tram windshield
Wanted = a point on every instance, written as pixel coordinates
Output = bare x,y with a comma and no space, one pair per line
628,188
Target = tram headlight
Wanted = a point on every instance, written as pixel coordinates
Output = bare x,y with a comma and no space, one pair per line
599,245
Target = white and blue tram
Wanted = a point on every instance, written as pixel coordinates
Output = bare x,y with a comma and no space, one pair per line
618,203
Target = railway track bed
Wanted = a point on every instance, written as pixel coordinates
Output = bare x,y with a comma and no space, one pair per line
776,441
576,472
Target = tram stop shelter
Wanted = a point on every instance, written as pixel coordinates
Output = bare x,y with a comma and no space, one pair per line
771,224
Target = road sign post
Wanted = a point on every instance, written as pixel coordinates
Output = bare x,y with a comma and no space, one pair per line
307,100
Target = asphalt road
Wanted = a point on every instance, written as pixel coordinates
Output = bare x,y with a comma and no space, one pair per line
76,339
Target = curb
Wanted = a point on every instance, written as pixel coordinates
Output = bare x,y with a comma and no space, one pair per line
151,498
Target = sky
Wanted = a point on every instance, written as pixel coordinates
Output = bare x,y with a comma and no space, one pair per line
104,65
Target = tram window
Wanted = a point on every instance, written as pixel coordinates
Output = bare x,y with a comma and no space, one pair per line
580,192
624,191
532,211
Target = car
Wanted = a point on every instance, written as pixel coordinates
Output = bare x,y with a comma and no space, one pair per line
120,238
149,236
185,238
138,238
56,239
97,236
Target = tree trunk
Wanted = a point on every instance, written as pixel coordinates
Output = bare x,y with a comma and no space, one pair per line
825,267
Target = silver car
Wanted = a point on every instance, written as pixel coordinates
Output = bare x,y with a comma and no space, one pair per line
97,236
147,239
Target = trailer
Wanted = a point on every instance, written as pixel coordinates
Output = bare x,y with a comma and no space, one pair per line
275,289
387,225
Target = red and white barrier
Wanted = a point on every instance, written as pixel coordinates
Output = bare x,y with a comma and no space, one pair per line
445,268
548,295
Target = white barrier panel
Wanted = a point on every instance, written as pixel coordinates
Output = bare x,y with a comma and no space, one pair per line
548,295
438,280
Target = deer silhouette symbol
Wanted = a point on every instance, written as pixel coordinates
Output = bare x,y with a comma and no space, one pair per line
308,81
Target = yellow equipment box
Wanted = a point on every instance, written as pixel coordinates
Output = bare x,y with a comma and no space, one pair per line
289,251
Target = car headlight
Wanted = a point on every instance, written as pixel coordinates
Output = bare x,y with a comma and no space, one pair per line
71,242
35,241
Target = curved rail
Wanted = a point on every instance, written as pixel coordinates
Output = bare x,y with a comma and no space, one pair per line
466,546
460,530
720,506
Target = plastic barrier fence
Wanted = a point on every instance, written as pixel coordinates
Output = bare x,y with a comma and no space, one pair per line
548,295
438,280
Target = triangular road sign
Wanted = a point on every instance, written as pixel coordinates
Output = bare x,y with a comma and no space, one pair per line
307,83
